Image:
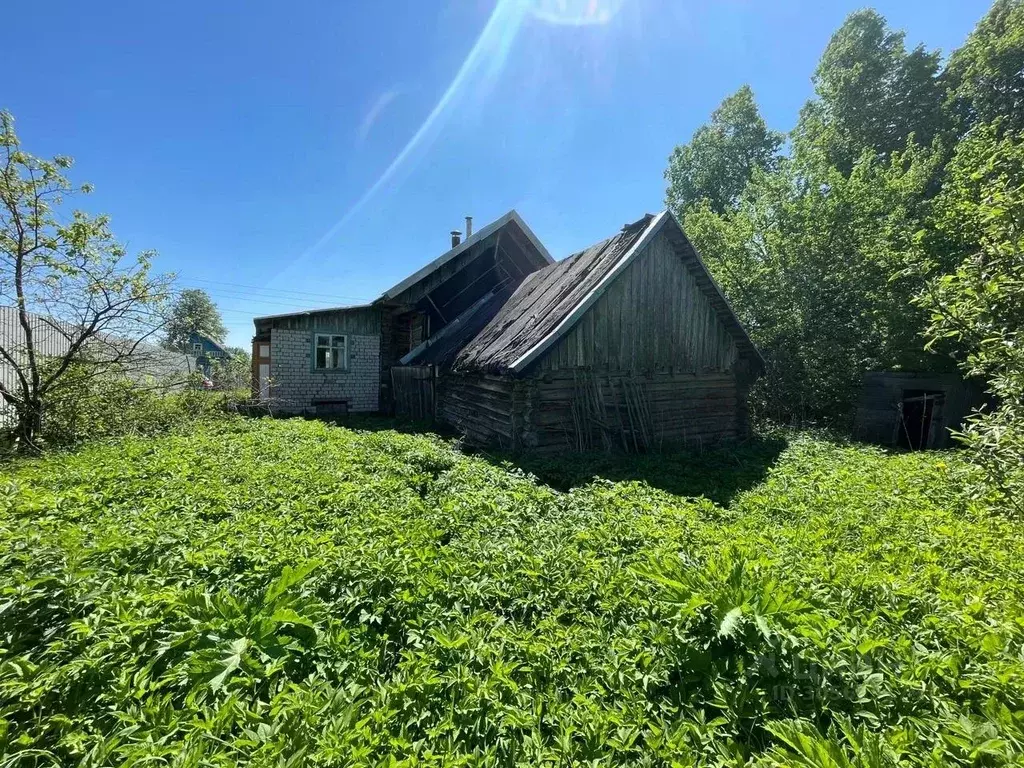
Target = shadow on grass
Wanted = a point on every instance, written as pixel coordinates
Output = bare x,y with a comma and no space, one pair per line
374,422
718,474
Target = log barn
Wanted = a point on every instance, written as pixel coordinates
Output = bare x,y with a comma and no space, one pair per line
627,345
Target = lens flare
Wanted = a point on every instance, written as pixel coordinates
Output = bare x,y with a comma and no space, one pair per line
576,12
477,75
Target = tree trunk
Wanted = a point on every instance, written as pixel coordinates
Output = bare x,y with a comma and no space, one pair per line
30,424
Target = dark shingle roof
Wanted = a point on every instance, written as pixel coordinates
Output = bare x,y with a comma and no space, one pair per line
549,301
544,300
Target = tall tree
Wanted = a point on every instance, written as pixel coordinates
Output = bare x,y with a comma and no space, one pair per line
79,304
813,260
979,305
985,76
193,312
722,156
871,94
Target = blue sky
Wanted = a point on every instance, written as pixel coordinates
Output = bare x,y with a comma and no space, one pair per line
293,155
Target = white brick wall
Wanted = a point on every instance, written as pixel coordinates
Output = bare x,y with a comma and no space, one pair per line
296,385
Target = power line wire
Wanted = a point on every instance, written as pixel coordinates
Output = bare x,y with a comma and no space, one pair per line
265,289
257,300
299,305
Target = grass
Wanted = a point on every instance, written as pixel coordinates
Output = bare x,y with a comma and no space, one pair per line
292,593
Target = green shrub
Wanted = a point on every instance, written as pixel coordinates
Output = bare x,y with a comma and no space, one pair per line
266,592
978,308
87,407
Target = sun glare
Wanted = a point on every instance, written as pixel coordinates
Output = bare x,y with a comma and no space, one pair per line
478,73
576,12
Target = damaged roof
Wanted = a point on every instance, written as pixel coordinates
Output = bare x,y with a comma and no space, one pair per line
544,300
479,236
549,302
442,348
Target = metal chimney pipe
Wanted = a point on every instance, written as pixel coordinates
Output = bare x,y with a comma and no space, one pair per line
456,235
469,227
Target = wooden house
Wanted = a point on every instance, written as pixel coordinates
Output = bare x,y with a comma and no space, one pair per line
206,351
341,359
627,345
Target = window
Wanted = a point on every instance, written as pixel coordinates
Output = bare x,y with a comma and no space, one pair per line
197,349
330,352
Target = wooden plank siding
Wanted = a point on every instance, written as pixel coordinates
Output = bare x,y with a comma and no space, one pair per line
655,316
358,321
413,391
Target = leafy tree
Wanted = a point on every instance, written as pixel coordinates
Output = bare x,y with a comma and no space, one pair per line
985,76
814,260
872,94
193,312
897,219
722,156
234,372
79,304
979,306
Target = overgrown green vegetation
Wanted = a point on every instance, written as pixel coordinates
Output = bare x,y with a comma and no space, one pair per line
91,408
887,235
291,593
830,246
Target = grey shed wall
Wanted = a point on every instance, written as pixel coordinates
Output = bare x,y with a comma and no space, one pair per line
877,419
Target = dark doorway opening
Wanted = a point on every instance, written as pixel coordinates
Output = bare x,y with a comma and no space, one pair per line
918,416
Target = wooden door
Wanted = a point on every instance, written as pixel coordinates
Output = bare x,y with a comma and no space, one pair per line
412,387
261,369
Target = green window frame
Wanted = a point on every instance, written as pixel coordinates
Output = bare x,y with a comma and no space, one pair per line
330,352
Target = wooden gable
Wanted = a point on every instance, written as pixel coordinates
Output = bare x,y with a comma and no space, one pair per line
655,315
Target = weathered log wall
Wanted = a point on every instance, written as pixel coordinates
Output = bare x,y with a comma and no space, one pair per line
480,407
582,410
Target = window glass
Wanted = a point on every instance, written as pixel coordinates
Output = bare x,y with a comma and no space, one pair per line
329,352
